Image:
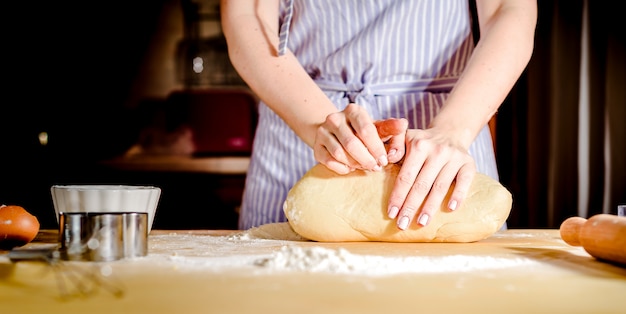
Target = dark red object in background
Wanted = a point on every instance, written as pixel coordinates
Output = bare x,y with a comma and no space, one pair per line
223,120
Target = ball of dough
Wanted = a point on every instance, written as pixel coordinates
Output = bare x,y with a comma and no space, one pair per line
328,207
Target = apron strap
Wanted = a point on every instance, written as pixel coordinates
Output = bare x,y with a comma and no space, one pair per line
284,28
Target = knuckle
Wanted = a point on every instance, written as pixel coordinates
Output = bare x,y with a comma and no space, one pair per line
427,209
405,178
395,199
354,109
440,187
334,119
321,156
362,130
409,209
351,107
418,146
432,204
334,151
320,134
351,143
465,177
422,186
441,150
460,190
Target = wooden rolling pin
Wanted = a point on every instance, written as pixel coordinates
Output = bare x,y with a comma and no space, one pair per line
603,236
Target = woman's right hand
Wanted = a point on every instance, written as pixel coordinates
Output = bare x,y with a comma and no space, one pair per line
350,140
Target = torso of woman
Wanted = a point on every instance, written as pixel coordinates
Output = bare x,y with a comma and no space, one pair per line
396,58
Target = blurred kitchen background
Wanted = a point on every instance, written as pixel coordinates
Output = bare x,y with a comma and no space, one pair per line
142,92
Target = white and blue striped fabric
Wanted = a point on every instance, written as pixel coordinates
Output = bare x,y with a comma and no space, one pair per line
397,58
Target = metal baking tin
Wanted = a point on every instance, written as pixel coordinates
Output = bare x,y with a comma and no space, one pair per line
103,237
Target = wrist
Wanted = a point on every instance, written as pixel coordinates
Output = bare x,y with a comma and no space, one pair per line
459,133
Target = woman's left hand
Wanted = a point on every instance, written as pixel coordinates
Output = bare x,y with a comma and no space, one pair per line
432,163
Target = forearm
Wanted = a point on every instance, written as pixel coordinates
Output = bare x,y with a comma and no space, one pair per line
504,49
280,81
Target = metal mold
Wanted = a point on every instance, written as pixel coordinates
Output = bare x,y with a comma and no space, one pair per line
103,236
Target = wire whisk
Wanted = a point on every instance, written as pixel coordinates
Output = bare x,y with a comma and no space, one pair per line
73,279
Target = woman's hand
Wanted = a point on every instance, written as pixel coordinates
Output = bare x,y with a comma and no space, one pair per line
433,161
350,140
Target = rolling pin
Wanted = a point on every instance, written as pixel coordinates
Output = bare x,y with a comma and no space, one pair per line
603,236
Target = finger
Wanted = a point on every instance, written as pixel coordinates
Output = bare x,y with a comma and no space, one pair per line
393,133
340,127
391,127
402,187
433,163
329,152
437,194
415,199
406,176
364,128
323,157
395,148
463,180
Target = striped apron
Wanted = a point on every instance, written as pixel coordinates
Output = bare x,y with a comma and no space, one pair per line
396,58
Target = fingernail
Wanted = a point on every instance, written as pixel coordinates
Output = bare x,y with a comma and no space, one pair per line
382,160
423,219
403,222
393,212
452,205
392,152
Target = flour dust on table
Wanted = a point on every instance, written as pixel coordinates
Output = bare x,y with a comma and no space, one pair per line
264,251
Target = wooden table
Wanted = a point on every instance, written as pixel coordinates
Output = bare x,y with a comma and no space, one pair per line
205,271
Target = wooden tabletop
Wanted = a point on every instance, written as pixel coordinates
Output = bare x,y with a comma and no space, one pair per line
212,271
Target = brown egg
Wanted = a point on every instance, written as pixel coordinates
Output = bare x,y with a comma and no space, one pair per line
17,227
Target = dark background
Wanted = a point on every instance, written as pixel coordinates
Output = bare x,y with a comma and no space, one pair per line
68,71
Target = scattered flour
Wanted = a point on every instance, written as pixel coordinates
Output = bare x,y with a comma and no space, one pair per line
319,259
245,251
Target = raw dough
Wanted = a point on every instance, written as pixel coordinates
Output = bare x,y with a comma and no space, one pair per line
274,231
325,206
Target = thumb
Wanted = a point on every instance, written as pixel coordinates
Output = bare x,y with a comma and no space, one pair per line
391,127
393,133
